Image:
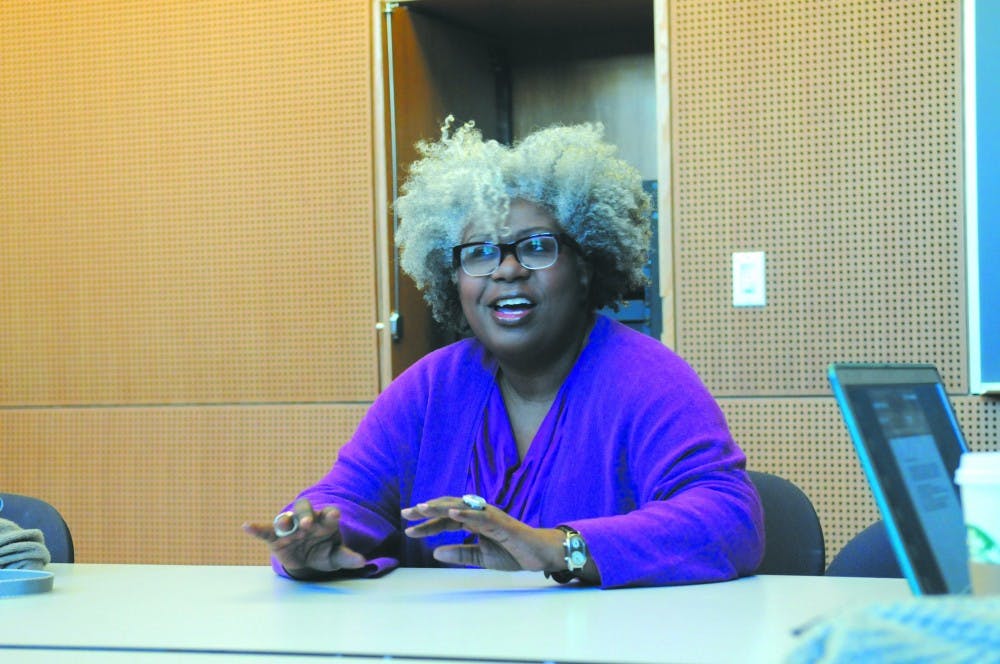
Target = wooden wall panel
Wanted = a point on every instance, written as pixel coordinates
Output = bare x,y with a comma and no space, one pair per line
169,485
187,256
186,213
567,91
828,136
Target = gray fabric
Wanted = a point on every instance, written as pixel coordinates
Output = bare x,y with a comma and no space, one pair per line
22,548
936,629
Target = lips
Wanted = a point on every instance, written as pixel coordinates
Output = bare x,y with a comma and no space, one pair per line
510,309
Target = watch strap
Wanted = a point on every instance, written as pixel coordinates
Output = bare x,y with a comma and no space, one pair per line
564,576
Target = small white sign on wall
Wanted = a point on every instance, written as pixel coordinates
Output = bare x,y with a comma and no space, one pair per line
749,279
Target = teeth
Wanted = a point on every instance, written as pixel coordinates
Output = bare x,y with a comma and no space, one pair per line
513,302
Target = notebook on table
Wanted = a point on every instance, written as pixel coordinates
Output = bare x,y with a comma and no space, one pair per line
908,441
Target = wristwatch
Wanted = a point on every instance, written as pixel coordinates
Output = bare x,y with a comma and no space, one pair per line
576,556
576,550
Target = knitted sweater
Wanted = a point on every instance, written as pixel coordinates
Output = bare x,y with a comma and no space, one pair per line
635,454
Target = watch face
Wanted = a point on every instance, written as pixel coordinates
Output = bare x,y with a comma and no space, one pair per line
578,558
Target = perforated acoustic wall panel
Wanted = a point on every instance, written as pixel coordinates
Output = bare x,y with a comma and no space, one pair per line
980,421
828,135
170,485
187,263
187,202
805,441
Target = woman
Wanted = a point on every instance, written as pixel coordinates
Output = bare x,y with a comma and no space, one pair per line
552,439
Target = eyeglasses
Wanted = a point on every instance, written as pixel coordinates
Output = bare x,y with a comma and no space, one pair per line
535,252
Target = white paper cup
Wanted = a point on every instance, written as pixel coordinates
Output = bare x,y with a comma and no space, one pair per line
978,478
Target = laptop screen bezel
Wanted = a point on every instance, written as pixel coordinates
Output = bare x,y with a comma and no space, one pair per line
853,385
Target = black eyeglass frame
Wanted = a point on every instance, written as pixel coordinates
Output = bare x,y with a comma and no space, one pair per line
508,248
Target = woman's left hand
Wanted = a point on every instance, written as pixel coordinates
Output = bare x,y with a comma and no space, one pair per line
504,542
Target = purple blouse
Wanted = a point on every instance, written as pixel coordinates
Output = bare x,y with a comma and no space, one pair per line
634,454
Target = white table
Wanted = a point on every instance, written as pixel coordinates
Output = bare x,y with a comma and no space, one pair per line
153,613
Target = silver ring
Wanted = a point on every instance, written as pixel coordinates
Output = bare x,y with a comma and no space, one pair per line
281,532
475,502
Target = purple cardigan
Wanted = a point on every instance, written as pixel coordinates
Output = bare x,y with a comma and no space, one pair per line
635,454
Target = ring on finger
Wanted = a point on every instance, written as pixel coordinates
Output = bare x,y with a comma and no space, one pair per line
475,502
285,532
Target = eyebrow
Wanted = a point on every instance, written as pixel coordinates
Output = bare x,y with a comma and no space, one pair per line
528,232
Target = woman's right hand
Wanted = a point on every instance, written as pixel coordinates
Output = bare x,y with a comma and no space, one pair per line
315,548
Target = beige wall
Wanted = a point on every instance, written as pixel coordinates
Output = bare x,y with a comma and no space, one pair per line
186,258
827,135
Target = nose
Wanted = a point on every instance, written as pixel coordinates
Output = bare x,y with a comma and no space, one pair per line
509,268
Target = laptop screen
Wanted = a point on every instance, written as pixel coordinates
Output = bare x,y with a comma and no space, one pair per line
909,445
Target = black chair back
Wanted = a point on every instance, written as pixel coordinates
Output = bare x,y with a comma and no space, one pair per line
28,512
868,553
793,534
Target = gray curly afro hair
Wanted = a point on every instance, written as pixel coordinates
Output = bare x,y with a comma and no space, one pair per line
462,183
